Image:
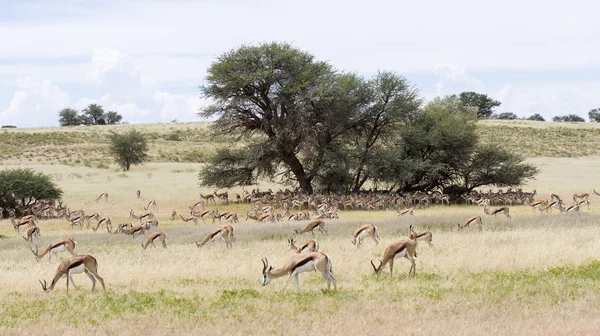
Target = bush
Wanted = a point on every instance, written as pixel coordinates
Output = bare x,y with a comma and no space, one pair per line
568,118
25,186
129,148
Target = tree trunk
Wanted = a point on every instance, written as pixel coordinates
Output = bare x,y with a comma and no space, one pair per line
296,166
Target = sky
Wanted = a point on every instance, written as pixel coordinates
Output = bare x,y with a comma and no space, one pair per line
146,59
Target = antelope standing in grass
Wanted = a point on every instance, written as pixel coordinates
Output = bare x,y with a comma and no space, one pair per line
156,235
105,195
468,222
32,232
221,232
56,246
402,248
75,265
426,236
409,211
367,230
309,246
503,210
312,261
311,226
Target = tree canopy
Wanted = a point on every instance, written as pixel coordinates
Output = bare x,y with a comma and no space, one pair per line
536,117
310,125
594,115
568,118
92,115
485,105
20,187
129,148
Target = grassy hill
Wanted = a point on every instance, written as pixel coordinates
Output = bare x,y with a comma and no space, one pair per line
193,142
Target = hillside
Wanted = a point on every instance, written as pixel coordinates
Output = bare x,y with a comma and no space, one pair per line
193,142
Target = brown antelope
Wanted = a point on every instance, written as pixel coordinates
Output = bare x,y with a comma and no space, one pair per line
502,210
260,218
317,261
365,231
104,221
151,204
75,265
409,211
147,215
229,229
426,236
402,248
468,222
548,207
572,208
316,224
21,222
539,205
32,232
188,220
221,232
309,246
577,197
156,235
57,245
208,198
105,195
139,230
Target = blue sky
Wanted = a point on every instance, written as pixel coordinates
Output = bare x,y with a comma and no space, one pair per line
145,59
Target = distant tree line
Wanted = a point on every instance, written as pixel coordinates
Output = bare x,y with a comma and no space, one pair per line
309,125
92,115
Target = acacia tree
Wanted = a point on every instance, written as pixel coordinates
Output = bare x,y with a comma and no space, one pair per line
113,118
95,114
594,115
295,106
568,118
482,102
493,165
128,148
536,117
21,187
68,117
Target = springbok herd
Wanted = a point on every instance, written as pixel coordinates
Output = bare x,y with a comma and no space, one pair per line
274,207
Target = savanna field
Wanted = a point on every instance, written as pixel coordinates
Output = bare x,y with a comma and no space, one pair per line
531,274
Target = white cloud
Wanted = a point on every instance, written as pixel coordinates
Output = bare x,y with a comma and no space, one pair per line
35,102
455,79
122,87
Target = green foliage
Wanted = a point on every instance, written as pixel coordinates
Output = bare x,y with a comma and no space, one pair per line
94,114
536,117
506,116
428,149
113,118
129,148
296,106
69,117
24,186
482,102
594,115
493,165
568,118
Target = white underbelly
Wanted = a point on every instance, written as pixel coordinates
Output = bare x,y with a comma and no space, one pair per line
77,270
363,234
60,248
309,266
400,254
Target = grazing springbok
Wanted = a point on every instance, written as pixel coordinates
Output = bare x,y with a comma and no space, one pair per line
402,248
312,261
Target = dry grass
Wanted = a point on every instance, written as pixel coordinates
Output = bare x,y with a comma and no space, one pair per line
193,142
534,274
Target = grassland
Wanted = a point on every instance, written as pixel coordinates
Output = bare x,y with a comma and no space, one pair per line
194,143
532,274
